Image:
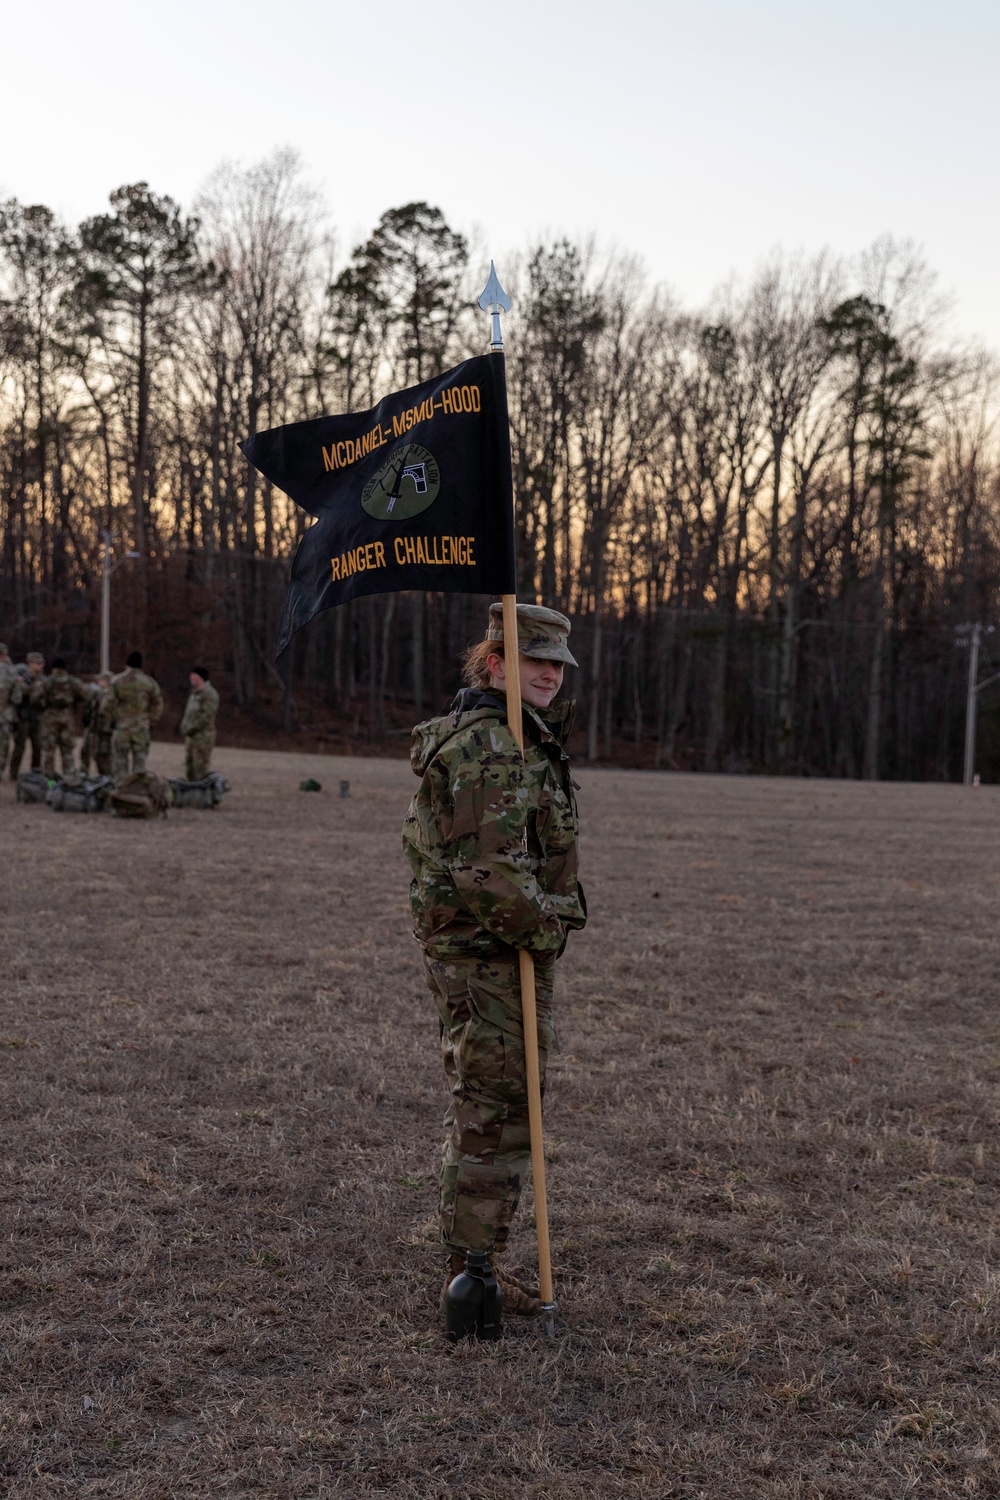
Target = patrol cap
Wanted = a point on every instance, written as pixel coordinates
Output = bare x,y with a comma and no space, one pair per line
540,632
35,656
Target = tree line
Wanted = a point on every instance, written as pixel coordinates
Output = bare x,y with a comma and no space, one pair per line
769,519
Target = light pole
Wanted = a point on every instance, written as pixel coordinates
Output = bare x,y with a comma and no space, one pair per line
107,568
972,695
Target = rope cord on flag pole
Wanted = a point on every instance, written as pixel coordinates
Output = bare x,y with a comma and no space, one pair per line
494,300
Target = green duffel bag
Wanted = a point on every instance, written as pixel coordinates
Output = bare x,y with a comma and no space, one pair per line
208,791
86,794
33,786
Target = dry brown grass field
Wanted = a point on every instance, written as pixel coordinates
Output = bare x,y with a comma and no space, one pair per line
772,1125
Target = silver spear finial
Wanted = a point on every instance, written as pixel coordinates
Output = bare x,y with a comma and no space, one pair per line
494,300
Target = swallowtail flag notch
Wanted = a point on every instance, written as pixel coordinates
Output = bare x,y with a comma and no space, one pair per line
413,494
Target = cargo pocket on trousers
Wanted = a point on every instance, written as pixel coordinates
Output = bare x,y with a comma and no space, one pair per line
497,1031
481,1054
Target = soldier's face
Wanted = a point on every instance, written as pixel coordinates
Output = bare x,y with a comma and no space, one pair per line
540,679
35,668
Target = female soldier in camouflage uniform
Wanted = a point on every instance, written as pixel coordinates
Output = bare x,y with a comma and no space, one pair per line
492,842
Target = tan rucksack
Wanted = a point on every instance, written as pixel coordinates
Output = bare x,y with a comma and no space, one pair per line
141,795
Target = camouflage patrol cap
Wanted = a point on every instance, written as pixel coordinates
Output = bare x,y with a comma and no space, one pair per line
540,632
35,656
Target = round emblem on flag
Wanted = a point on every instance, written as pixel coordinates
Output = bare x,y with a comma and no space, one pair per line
407,483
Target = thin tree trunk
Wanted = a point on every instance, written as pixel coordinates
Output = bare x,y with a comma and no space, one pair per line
596,651
636,682
338,653
289,712
774,602
716,701
789,633
418,655
666,640
387,618
594,705
372,665
678,699
873,728
142,426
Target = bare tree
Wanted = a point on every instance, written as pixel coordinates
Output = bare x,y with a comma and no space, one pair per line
135,264
766,518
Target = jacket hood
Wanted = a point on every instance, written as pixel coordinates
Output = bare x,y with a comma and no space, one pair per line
469,706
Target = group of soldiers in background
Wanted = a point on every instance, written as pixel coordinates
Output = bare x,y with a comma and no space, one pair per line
118,714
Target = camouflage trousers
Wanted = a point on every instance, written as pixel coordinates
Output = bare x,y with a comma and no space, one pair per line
487,1147
198,754
23,732
129,740
96,747
58,733
6,732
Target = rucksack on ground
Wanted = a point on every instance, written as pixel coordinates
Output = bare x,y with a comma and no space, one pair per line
208,791
33,786
79,793
141,795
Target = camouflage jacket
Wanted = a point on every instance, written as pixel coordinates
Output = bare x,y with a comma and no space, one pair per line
134,699
492,838
98,713
27,712
10,689
59,692
200,711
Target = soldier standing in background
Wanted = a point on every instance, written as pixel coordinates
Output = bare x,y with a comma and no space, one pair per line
27,726
135,704
10,697
198,724
96,745
56,697
92,691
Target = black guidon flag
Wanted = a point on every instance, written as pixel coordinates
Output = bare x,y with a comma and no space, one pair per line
414,494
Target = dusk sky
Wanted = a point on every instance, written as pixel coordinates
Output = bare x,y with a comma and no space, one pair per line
700,135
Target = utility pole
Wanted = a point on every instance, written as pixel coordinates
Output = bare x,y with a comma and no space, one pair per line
107,568
976,633
971,704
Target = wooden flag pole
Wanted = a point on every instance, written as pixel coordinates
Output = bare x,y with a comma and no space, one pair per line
494,300
529,1010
